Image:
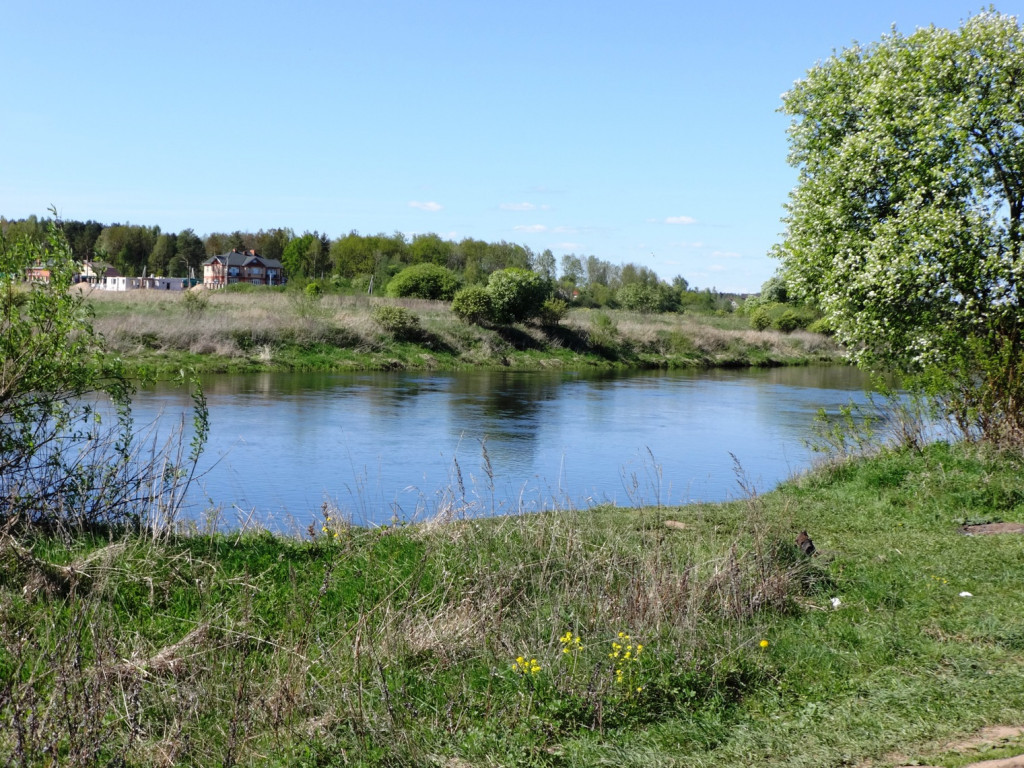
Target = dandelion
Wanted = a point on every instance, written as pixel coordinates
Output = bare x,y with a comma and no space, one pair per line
763,644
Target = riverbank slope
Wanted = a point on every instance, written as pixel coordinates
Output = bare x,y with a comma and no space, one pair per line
697,636
266,331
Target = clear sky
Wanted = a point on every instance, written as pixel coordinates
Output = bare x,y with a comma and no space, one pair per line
641,132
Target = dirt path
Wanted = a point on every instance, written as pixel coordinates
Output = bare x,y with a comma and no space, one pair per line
1004,739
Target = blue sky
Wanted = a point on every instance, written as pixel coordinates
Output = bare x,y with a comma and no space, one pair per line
641,132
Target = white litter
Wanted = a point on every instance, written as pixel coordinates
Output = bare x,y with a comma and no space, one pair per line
836,602
966,594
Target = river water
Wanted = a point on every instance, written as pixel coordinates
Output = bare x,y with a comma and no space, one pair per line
407,446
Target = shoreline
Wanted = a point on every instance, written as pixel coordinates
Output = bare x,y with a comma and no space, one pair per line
158,335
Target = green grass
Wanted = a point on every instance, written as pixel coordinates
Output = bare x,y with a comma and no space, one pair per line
398,646
228,331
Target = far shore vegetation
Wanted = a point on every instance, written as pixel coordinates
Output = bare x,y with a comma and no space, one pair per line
391,302
243,330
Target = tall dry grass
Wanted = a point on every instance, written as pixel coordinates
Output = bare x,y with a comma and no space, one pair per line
262,326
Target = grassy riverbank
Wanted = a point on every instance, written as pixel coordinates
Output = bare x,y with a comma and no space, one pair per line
263,330
574,638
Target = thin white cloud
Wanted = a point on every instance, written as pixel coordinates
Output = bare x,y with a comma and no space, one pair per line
430,206
530,228
518,207
680,220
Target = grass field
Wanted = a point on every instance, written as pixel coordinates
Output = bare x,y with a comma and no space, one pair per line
263,330
691,636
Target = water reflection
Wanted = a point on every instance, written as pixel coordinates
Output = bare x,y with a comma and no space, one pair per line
380,444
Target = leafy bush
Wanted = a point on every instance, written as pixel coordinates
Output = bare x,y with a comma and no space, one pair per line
638,297
313,290
195,301
59,465
788,321
517,294
760,319
603,332
398,321
473,304
822,325
424,281
782,317
553,311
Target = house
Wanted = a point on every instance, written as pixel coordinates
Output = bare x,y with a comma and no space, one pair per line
96,273
167,283
121,283
241,267
38,273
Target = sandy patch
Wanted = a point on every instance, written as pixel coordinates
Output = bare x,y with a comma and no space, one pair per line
991,528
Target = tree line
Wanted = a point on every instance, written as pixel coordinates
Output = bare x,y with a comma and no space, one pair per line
357,262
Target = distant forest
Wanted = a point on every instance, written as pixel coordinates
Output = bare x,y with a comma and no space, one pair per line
355,262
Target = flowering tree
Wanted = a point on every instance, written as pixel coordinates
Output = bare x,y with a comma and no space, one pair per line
906,224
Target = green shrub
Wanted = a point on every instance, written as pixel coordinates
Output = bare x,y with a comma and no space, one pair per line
60,465
473,304
424,281
313,290
639,298
398,321
517,294
195,301
782,317
760,319
603,332
823,326
553,311
788,321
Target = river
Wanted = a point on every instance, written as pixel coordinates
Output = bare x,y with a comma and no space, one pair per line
380,447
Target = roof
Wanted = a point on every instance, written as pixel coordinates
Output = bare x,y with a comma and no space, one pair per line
99,269
243,259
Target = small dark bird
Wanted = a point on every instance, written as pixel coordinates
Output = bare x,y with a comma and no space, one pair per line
804,542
